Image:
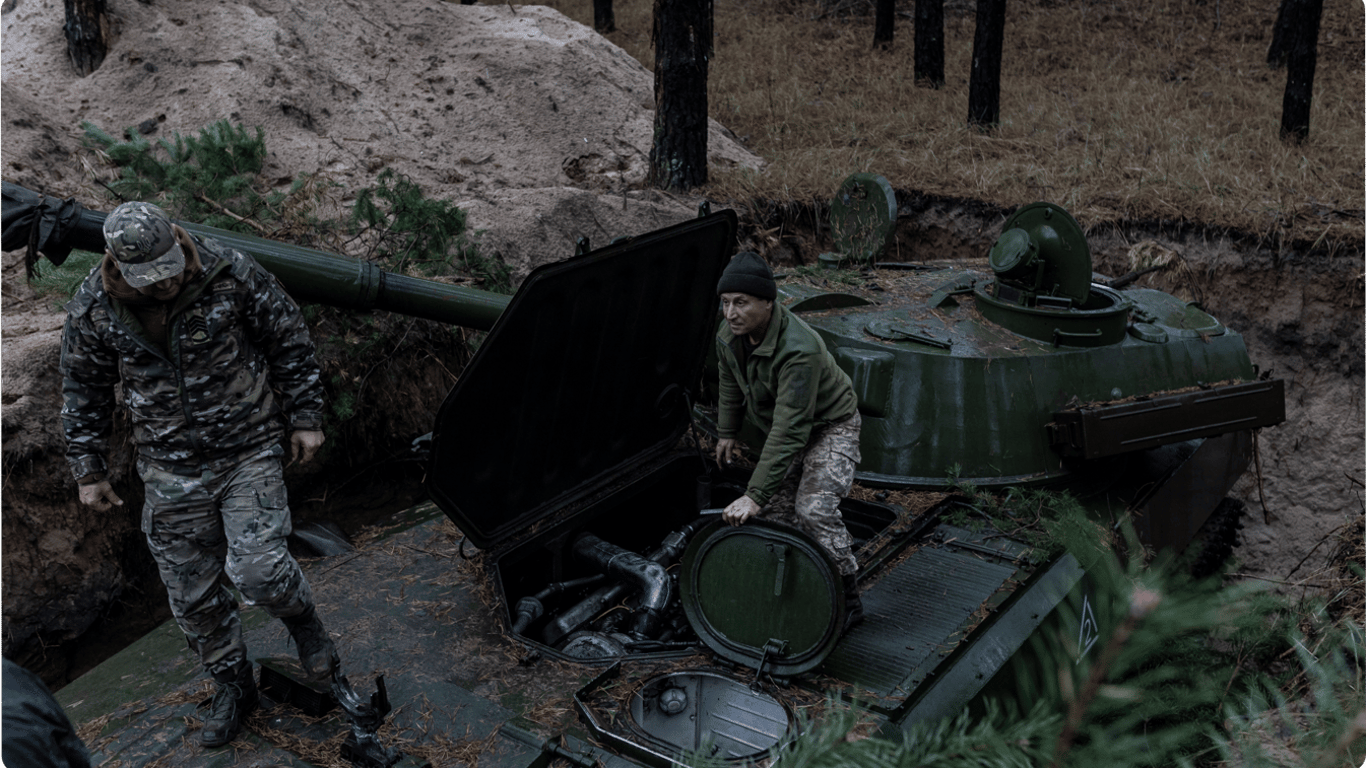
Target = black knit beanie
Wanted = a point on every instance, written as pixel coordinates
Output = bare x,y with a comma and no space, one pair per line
747,273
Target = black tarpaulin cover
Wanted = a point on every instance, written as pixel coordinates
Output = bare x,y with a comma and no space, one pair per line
39,222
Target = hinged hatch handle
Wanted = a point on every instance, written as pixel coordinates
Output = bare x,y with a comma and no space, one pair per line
773,647
781,570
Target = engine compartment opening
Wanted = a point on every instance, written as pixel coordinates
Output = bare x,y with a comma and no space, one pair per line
602,582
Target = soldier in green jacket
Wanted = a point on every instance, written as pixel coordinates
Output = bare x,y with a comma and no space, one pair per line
776,373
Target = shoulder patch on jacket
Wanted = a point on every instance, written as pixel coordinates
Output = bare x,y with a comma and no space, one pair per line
241,266
243,269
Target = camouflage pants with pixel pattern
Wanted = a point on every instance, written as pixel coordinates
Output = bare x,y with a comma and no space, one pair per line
200,524
810,494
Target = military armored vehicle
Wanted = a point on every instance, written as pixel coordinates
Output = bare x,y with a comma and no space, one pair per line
591,609
1035,371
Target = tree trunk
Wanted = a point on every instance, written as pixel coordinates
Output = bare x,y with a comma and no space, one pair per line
984,88
87,34
884,24
1302,50
1276,52
604,20
929,43
682,37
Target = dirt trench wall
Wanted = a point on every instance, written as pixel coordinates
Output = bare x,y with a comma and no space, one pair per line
64,566
1299,310
1300,314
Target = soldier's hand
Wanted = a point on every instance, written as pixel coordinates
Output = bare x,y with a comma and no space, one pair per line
304,445
727,450
100,495
740,510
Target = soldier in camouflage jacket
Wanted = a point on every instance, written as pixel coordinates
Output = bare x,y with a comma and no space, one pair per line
205,394
216,366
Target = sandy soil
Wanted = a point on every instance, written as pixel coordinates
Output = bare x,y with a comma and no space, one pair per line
540,129
474,103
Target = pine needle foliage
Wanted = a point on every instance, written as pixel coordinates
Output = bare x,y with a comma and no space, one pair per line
1325,709
965,741
1145,693
60,282
411,232
410,229
213,178
216,178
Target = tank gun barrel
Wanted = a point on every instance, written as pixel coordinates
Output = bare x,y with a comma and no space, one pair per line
339,281
310,275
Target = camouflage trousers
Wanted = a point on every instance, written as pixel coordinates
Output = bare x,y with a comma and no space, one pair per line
820,476
201,523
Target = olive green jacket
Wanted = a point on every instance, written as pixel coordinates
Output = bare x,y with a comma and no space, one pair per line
789,386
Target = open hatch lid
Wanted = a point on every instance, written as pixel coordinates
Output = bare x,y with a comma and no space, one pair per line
762,595
582,378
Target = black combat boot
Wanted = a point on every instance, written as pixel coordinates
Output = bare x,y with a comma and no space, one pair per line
853,605
316,651
232,702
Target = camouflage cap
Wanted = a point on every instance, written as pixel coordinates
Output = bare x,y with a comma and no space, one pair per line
142,240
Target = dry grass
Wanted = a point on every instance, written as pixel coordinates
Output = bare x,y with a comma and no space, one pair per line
1346,590
1114,110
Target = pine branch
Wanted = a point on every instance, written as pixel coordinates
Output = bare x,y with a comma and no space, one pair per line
1141,603
219,206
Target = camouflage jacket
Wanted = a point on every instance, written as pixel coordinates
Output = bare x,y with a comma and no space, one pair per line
788,386
238,360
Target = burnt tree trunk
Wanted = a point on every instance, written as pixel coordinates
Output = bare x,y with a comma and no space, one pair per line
984,88
604,20
87,34
1302,50
884,24
929,43
682,37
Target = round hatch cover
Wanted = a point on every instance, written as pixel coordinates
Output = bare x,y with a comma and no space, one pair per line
863,218
762,593
702,712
